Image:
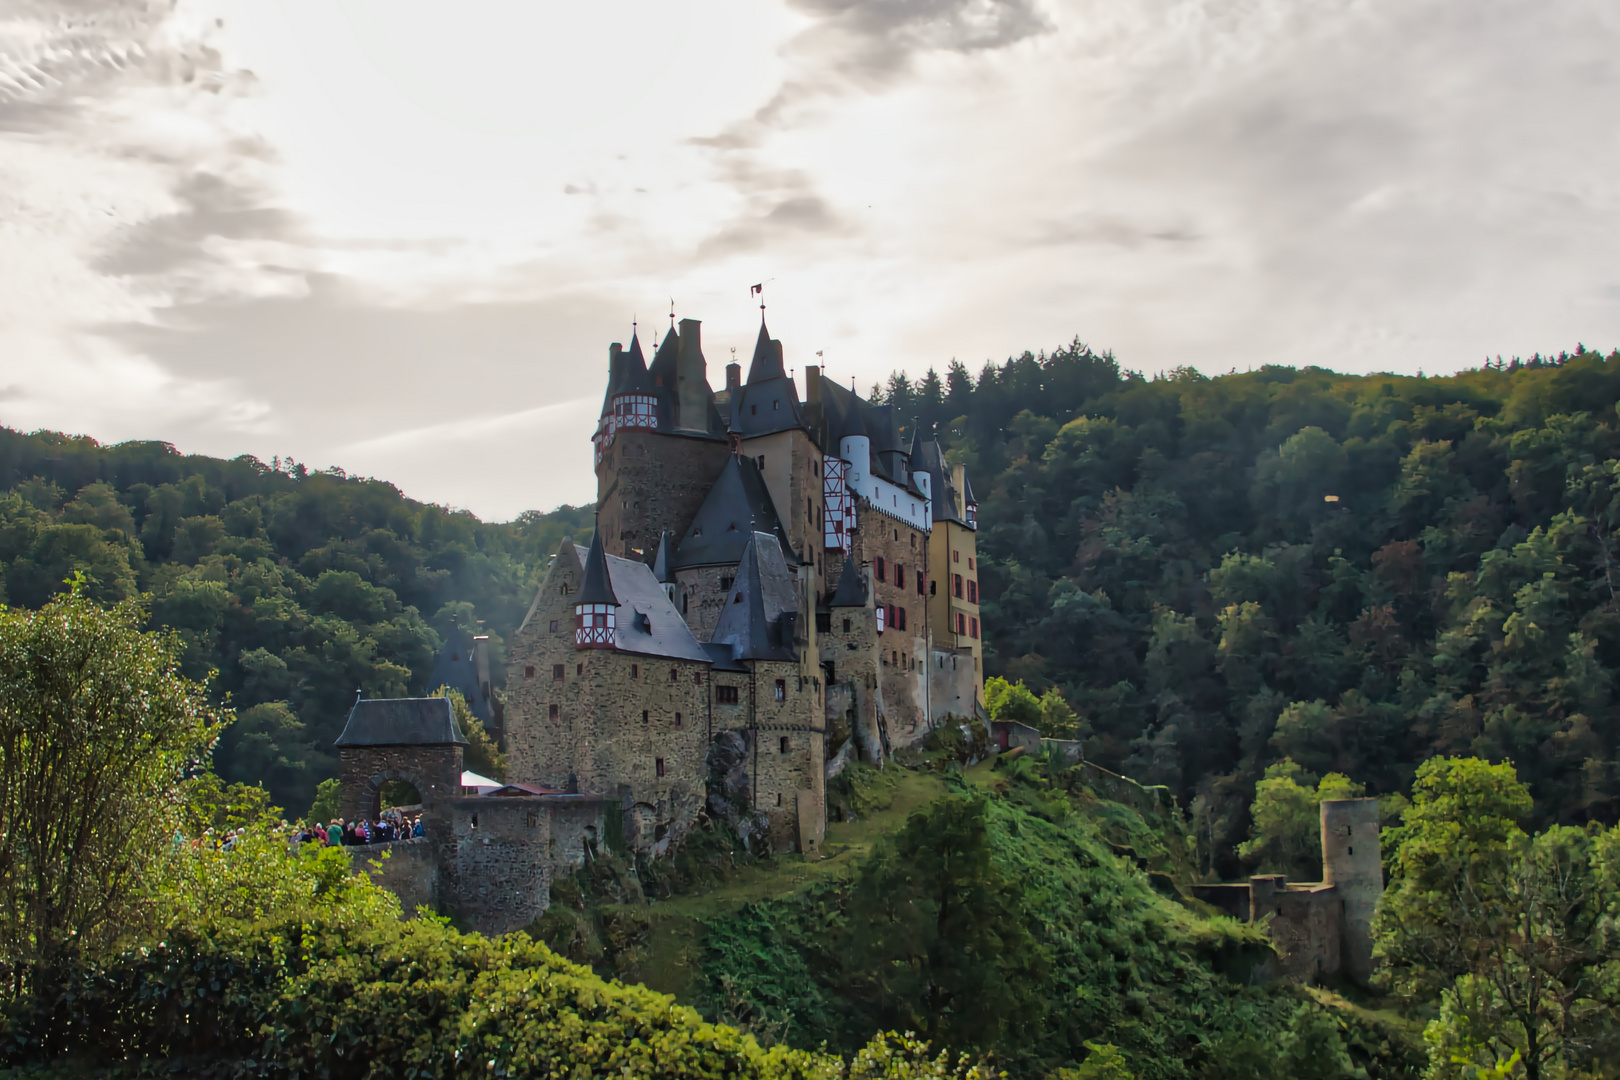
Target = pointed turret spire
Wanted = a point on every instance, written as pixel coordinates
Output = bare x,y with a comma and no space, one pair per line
598,587
663,568
767,363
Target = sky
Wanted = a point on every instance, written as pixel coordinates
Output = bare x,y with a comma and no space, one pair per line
397,237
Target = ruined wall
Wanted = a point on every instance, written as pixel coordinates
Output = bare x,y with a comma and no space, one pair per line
1353,863
1303,921
648,482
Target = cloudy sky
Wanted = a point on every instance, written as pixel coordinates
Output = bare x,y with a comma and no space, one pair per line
397,236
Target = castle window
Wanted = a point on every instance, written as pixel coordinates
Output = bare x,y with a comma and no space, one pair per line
726,695
956,585
781,690
899,576
658,764
933,588
563,588
697,530
677,719
878,569
635,671
784,746
1352,851
776,406
552,711
956,556
579,669
674,674
961,624
753,410
970,562
823,623
556,671
725,584
913,541
553,626
685,597
528,671
779,794
902,613
531,819
846,626
644,716
697,678
921,582
973,591
737,599
973,628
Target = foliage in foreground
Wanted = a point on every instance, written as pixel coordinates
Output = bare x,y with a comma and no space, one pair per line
282,964
97,730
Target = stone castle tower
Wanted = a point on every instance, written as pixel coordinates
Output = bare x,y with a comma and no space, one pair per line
1353,864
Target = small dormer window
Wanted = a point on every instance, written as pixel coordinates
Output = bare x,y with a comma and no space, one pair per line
697,530
776,406
753,410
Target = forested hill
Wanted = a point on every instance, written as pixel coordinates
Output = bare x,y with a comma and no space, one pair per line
1354,573
1349,573
299,588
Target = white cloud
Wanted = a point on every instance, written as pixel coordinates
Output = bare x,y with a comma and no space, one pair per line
397,237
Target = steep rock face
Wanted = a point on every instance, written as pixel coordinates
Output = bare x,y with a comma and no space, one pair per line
731,786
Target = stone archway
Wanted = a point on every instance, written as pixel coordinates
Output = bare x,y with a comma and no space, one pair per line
368,801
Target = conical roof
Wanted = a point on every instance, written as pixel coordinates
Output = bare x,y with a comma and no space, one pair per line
662,371
663,562
598,587
851,590
767,363
737,506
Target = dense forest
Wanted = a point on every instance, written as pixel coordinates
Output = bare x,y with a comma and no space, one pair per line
1262,577
1301,571
299,588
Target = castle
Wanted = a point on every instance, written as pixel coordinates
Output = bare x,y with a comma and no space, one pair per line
775,587
784,571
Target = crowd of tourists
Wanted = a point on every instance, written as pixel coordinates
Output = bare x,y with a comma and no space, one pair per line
338,832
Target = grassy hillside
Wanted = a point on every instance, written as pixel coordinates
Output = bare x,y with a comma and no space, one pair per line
1011,909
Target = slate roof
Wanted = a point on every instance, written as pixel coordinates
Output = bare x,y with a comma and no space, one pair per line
598,587
736,507
928,458
627,373
647,622
761,612
851,591
401,722
767,363
663,568
456,666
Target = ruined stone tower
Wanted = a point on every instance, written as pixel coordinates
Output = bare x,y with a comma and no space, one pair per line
1353,865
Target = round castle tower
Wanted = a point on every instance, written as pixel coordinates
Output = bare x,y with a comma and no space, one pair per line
1353,864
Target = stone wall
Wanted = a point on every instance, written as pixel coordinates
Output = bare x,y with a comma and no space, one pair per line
791,749
496,866
851,697
700,595
953,683
648,482
793,477
1303,921
407,868
902,654
617,714
435,772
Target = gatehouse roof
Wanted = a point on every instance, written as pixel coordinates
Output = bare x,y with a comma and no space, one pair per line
401,722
